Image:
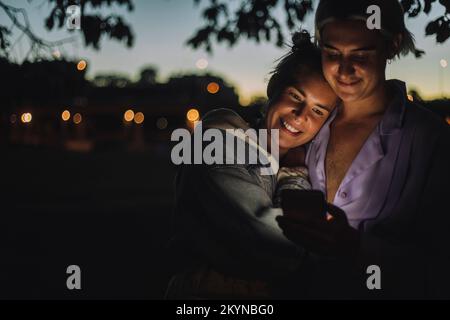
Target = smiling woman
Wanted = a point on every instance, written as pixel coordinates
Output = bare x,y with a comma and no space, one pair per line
226,241
300,100
301,109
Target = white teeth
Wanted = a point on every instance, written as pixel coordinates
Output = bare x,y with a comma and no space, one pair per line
290,128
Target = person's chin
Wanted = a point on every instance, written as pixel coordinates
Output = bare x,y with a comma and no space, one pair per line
289,143
349,95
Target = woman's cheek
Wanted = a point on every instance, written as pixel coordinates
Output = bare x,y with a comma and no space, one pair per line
366,68
314,125
328,67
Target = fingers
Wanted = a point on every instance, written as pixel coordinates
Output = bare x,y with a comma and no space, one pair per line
307,222
308,240
323,236
337,213
302,217
305,233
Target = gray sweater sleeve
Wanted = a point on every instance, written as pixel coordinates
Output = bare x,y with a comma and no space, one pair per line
234,225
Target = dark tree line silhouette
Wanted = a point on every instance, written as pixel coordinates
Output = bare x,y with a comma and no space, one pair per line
47,83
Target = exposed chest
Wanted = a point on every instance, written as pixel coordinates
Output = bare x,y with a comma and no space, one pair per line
344,144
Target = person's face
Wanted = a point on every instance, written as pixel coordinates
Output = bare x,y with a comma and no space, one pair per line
353,59
301,110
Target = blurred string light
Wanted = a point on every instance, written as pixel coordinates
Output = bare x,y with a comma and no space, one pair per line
77,118
201,63
26,117
448,120
13,118
213,87
162,123
65,115
56,54
81,65
128,116
244,101
444,63
139,118
193,115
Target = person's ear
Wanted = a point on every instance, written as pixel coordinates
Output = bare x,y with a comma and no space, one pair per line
395,45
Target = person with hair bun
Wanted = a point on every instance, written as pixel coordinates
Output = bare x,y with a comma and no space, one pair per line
226,242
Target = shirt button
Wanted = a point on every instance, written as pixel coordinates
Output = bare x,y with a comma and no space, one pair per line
343,194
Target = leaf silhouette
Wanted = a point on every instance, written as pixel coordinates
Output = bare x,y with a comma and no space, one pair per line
259,20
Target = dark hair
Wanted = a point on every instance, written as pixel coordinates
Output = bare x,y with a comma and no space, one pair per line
392,21
303,57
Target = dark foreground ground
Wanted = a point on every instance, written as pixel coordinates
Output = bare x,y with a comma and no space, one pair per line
105,211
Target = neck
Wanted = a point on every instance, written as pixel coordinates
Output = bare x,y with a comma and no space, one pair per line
282,152
375,104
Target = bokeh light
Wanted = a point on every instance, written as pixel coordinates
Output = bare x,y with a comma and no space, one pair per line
162,123
128,116
410,97
56,54
444,63
139,118
244,101
213,87
202,63
65,115
81,65
193,115
26,117
77,118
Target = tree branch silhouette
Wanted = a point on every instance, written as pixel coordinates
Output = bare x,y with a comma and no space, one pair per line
36,42
93,26
256,20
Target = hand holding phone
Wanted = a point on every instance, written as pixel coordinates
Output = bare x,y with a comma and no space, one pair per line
304,203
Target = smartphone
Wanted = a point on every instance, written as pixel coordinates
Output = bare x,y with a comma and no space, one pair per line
308,203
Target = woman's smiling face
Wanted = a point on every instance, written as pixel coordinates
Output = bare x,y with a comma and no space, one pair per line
301,110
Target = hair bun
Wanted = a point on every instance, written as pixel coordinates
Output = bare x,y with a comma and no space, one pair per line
301,40
303,58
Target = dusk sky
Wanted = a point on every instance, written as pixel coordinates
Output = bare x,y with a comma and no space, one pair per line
161,28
